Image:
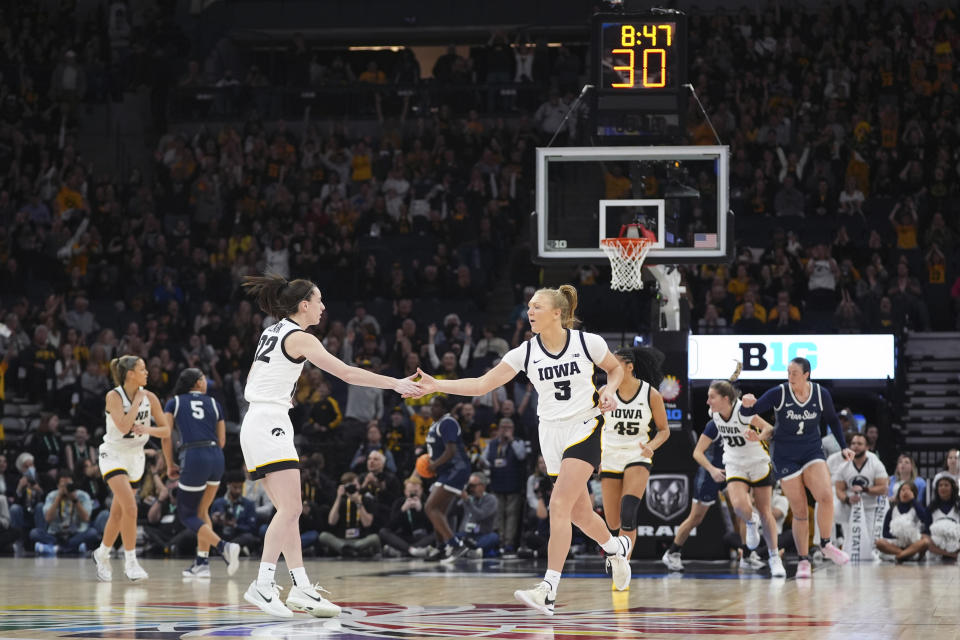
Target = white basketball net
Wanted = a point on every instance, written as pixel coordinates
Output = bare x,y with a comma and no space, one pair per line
626,261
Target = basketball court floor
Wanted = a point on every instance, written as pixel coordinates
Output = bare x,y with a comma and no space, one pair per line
60,598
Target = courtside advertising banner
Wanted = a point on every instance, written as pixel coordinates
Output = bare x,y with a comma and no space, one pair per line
765,357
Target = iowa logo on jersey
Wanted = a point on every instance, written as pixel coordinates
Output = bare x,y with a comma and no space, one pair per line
564,370
277,431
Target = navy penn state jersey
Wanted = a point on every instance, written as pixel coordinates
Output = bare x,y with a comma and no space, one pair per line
714,452
196,415
445,430
797,424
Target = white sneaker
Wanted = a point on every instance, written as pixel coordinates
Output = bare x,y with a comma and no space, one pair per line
672,560
836,555
751,562
753,531
538,598
417,552
268,602
197,571
104,573
231,554
309,599
619,565
776,567
135,572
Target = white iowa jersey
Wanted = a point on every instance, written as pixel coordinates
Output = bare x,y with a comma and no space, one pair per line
113,434
631,423
737,450
564,381
862,476
273,375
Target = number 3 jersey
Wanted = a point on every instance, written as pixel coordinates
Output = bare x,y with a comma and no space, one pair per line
564,381
273,375
631,423
737,450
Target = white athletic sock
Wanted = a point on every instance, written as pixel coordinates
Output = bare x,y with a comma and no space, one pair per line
267,572
774,552
552,578
103,549
203,554
299,577
612,545
130,556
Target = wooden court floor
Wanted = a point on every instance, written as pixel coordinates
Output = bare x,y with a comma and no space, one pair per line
61,598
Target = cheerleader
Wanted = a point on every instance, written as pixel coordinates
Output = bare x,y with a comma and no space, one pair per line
903,525
943,519
631,433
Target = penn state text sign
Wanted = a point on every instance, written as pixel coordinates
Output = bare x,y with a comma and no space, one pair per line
765,357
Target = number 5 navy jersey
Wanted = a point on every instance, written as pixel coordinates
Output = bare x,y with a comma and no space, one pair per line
196,415
273,375
444,431
737,450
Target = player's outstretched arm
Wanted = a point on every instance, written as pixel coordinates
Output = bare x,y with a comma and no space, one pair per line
306,345
496,377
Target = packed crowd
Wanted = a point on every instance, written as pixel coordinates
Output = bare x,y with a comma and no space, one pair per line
844,157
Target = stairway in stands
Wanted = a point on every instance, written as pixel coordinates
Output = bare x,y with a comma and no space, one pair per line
931,417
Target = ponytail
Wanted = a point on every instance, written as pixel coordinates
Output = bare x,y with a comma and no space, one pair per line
276,296
647,363
187,380
120,366
725,387
564,298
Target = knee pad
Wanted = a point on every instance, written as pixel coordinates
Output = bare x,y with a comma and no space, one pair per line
187,503
629,512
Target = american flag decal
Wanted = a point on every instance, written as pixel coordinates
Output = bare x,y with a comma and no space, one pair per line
704,241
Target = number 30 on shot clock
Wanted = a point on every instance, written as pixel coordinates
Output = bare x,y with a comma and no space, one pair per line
638,55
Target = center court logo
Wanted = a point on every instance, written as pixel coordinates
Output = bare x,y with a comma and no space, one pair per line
668,495
670,388
277,431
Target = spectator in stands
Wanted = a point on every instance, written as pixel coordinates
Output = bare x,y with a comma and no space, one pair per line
951,467
903,525
373,442
381,484
505,458
234,517
408,531
47,447
38,360
80,450
66,511
10,535
906,471
364,405
537,527
351,521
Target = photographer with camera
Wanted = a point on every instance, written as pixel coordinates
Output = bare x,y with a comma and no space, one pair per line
505,457
408,532
351,521
66,511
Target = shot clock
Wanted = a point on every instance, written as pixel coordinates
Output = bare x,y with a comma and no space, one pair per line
639,69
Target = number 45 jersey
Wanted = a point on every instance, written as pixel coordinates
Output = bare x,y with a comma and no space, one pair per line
273,375
737,450
631,423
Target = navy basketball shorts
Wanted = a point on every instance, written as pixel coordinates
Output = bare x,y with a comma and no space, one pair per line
705,488
201,467
790,464
454,479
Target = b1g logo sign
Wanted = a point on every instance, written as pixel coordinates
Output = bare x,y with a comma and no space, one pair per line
775,356
766,357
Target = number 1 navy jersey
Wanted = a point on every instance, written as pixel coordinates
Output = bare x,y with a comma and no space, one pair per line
445,430
737,450
564,381
798,423
273,375
631,423
196,415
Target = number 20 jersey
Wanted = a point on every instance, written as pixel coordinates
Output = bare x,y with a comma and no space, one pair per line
564,381
631,423
737,450
273,375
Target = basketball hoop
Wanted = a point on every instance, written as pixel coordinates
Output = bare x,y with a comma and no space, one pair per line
626,261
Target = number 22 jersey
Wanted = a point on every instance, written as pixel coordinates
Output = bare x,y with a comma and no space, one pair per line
564,381
273,375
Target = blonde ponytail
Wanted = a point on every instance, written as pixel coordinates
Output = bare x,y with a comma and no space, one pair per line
120,366
564,298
